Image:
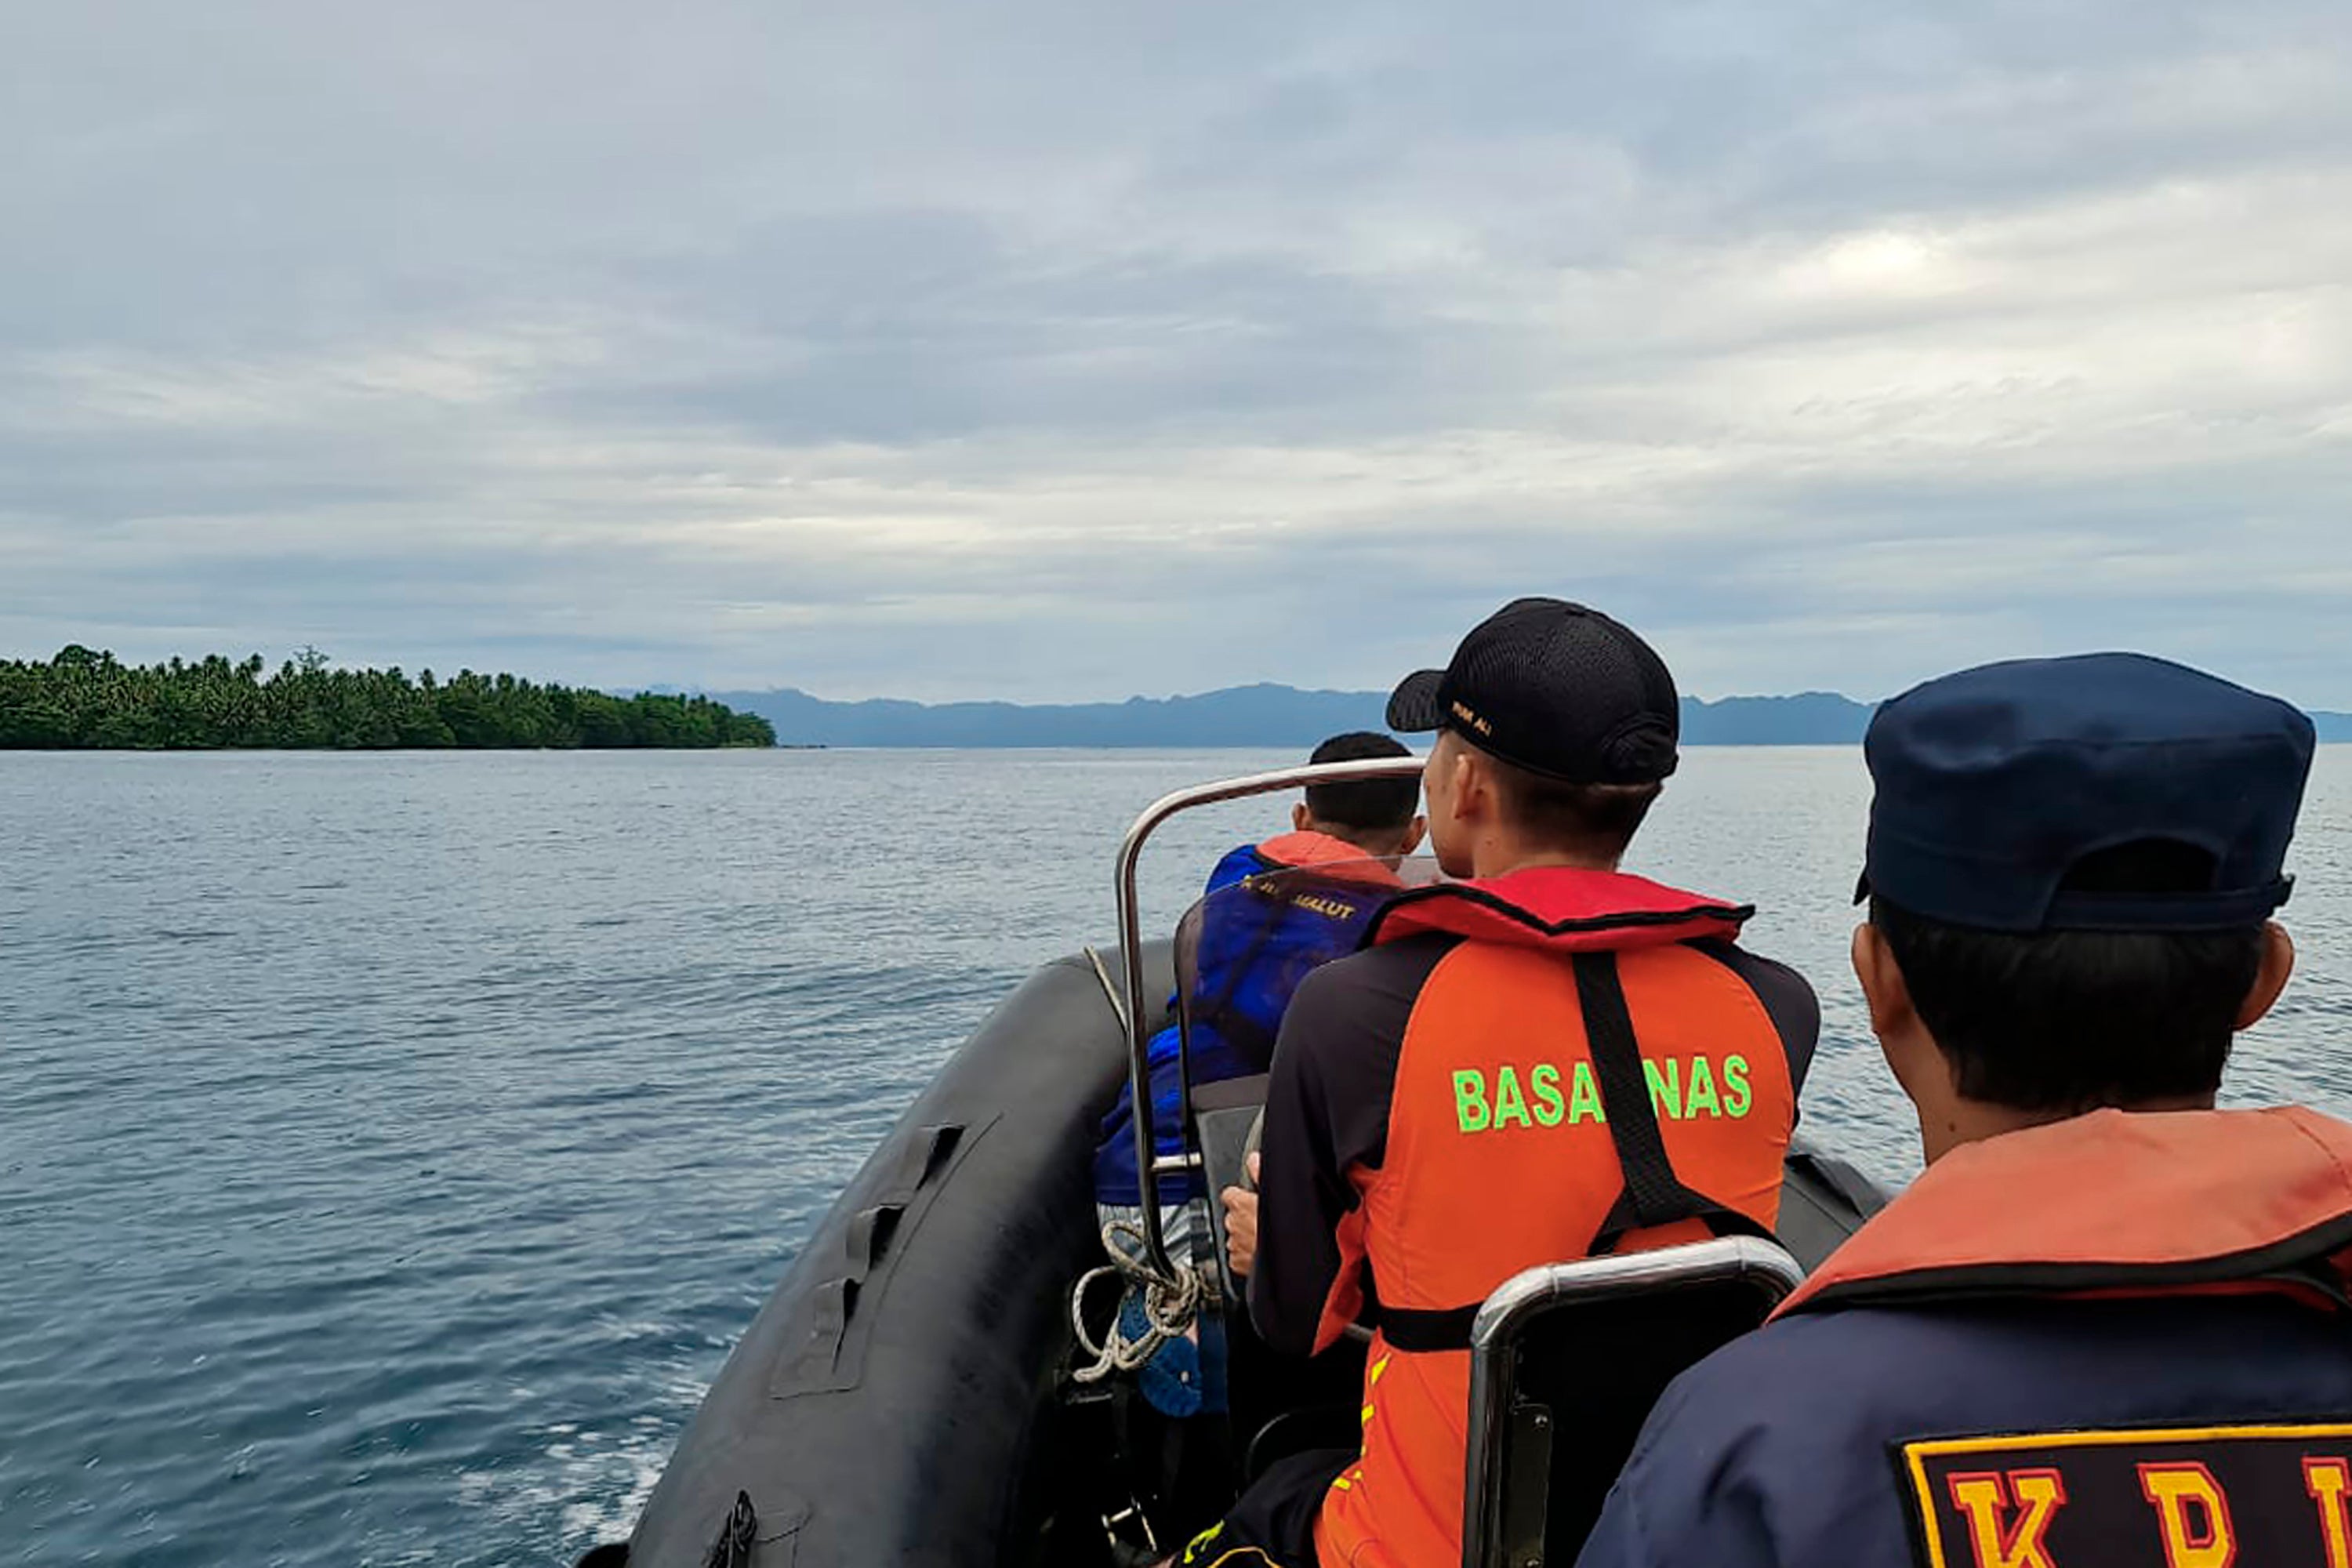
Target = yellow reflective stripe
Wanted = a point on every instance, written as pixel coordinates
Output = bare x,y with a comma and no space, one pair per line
1916,1453
1934,1447
1201,1542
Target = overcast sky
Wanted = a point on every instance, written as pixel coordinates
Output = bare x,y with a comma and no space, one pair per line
1056,349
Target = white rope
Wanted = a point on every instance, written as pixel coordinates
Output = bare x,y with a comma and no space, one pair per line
1170,1306
1111,992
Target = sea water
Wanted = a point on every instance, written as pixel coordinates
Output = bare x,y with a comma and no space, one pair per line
393,1146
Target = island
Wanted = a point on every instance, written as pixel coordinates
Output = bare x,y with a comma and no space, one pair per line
83,699
1265,716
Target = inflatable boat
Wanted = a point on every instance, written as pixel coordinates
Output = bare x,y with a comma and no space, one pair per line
913,1392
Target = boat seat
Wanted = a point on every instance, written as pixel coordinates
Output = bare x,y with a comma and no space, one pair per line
1566,1362
1225,1116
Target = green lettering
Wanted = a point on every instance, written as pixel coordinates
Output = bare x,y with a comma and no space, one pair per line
1702,1089
1470,1101
1667,1090
1735,1084
1584,1098
1549,1105
1510,1105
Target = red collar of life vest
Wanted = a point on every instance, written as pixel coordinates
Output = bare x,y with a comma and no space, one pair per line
1324,851
1560,908
2114,1203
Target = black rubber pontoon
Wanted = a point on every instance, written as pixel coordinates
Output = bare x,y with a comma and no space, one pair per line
896,1401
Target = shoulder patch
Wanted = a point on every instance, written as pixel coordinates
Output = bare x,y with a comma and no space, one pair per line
2278,1494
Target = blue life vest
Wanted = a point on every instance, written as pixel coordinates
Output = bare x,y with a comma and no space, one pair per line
1240,957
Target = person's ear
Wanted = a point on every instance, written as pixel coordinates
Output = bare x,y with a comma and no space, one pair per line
1884,989
1299,817
1414,832
2278,963
1920,1068
1474,787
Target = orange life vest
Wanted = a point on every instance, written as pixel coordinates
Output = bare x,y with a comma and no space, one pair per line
1328,853
1531,1051
2113,1203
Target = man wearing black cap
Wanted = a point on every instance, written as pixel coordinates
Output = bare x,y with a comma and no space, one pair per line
2107,1325
1546,1058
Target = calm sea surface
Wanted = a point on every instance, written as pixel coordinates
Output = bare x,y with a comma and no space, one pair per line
391,1147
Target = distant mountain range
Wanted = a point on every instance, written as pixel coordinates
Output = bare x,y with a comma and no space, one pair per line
1264,715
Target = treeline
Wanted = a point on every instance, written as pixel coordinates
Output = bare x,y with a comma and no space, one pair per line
85,700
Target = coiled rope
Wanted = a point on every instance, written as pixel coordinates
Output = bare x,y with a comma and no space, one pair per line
1170,1304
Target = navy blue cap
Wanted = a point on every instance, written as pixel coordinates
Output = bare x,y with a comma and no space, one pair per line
1992,783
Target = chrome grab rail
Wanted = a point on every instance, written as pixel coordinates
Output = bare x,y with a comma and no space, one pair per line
1130,951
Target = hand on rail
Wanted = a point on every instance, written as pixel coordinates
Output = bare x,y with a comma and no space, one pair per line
1241,1224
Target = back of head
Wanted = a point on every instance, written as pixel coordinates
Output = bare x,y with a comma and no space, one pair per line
1368,811
2073,862
1576,716
1592,821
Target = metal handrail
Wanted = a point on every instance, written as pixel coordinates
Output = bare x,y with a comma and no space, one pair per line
1131,950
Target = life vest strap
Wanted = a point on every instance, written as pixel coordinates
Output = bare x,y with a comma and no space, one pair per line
1653,1194
1428,1331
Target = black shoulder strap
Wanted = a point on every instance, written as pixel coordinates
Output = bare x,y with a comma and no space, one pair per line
1653,1194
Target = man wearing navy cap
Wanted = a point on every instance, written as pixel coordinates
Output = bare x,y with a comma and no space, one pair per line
2108,1324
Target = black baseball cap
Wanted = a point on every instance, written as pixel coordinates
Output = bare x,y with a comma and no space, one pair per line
1556,688
1993,782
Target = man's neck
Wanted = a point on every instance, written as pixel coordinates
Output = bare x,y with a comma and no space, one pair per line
1500,857
1965,1121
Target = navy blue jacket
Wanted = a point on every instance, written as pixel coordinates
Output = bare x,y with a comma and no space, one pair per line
1782,1448
1974,1409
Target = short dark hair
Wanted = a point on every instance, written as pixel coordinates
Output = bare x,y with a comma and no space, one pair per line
1376,805
1597,819
2073,1020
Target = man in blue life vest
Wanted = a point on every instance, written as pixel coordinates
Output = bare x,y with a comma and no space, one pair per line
1249,956
1548,1058
2108,1325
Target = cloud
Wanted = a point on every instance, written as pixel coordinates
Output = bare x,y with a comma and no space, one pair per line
1067,352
